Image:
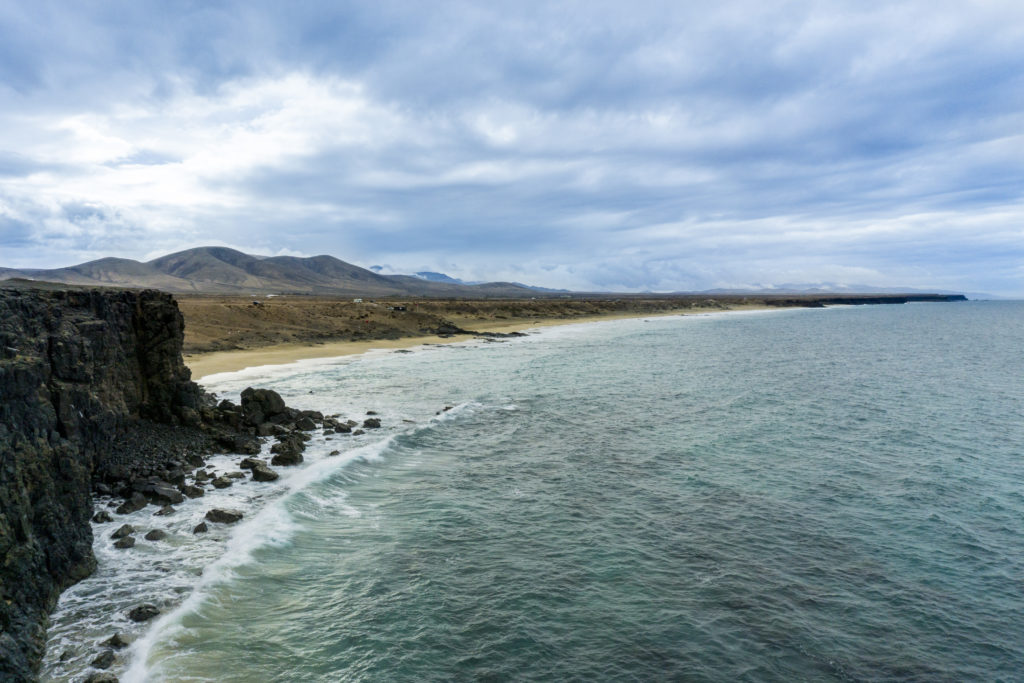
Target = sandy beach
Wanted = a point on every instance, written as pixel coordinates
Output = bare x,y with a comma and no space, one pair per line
209,363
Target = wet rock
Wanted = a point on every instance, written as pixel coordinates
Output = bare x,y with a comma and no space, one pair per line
261,405
335,453
163,493
371,412
192,491
288,451
104,660
235,475
164,511
155,535
223,516
314,415
305,424
124,531
101,677
246,444
117,642
125,543
200,528
358,432
102,517
143,612
371,423
265,429
133,504
221,483
263,473
250,463
201,476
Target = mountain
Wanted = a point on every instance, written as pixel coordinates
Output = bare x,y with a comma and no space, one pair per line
220,270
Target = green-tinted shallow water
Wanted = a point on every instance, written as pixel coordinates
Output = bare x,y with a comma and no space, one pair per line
808,495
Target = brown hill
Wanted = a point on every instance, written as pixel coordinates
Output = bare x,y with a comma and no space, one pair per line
220,270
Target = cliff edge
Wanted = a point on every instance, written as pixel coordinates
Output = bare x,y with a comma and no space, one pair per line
78,369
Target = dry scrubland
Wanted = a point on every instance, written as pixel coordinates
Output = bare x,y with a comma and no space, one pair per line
223,323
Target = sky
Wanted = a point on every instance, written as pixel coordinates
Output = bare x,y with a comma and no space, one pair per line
627,146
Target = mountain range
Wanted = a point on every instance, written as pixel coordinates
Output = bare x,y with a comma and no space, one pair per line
220,270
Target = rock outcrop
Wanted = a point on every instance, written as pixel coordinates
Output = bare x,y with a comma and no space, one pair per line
79,370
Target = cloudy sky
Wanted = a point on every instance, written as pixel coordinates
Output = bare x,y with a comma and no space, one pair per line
591,145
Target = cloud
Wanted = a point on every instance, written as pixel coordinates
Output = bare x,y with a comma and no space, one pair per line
588,145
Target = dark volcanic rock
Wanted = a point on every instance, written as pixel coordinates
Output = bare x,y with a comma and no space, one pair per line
133,504
155,535
104,660
123,531
93,396
102,517
125,543
304,424
143,612
164,511
192,491
222,516
261,405
221,483
371,423
263,473
162,493
250,463
200,528
288,451
117,642
101,677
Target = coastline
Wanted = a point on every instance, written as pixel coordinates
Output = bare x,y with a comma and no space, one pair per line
209,363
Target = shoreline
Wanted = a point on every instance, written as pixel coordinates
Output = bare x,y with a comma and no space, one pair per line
215,362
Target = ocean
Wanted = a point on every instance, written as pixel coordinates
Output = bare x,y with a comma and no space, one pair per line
814,495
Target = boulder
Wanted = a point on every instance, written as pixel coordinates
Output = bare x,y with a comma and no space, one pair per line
246,444
259,405
124,531
164,511
371,423
250,463
222,516
133,504
265,429
288,451
192,491
155,535
102,517
117,642
201,476
101,677
221,483
305,424
263,473
200,528
143,612
334,453
104,660
125,543
163,493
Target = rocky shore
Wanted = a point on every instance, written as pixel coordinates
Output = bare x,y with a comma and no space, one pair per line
94,398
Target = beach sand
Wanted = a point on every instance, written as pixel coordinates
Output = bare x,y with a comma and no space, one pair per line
209,363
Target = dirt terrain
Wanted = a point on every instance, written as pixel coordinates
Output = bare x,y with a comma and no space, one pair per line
222,323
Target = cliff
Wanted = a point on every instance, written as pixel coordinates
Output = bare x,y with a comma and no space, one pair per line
79,369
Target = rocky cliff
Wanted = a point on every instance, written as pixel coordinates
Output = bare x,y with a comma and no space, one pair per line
79,369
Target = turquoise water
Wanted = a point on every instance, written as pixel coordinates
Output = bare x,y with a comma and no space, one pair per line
804,495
